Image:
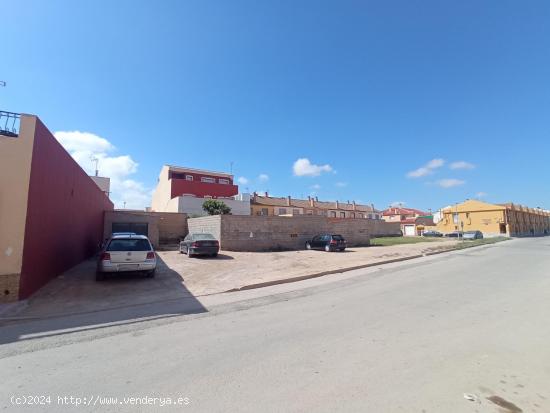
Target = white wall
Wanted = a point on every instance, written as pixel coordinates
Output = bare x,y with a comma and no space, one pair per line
193,206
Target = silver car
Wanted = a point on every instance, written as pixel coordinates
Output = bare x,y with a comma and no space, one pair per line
473,235
125,253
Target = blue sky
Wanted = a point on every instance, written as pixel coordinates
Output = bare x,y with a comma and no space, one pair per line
368,93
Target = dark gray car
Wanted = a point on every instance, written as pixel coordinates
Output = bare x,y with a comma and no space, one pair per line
200,244
327,242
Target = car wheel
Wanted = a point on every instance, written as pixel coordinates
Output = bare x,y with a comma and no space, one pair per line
189,255
151,274
327,248
99,276
215,255
308,246
181,251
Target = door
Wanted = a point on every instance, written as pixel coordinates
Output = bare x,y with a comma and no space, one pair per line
140,228
408,230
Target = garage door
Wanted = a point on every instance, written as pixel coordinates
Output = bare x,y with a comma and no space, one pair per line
140,228
409,230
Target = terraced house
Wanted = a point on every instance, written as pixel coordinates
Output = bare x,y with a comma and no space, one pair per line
495,219
288,206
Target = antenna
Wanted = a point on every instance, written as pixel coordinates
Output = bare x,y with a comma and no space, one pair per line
231,167
96,160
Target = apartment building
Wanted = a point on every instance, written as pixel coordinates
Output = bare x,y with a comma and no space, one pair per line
495,219
182,189
413,221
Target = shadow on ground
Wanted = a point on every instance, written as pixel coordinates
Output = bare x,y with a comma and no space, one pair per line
74,301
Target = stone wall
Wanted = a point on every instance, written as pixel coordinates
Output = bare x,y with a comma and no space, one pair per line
265,233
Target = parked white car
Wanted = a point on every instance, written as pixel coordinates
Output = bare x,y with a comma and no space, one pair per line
127,253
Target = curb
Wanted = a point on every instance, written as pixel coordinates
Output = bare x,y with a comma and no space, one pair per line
345,269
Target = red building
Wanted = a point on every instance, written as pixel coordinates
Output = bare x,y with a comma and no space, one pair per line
413,221
181,189
51,211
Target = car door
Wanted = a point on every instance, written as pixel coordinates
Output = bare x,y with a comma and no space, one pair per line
315,242
187,241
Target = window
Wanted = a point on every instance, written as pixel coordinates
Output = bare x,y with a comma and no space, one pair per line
264,212
342,214
135,244
333,214
353,214
207,179
282,211
224,181
295,212
309,212
455,218
361,215
188,177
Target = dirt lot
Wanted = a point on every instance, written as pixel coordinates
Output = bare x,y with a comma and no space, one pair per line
179,276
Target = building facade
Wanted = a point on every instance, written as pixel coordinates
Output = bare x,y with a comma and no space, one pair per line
509,219
51,211
288,206
184,190
413,221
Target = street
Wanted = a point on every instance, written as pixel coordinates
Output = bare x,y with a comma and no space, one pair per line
466,331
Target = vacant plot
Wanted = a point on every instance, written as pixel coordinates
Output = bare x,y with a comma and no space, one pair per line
389,241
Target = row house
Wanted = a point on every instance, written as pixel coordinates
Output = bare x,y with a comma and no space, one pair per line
288,206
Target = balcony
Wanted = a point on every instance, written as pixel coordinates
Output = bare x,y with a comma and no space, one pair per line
202,189
9,124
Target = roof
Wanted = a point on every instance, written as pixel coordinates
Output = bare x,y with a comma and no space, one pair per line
403,211
135,236
197,171
305,203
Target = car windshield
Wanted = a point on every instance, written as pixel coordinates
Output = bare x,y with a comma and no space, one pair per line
198,237
129,244
470,233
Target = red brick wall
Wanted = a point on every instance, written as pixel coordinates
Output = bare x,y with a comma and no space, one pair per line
64,214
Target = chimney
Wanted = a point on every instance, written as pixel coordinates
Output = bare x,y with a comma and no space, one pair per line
266,194
354,206
316,199
311,202
337,205
372,206
288,200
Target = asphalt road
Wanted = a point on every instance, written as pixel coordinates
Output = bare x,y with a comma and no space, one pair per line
460,332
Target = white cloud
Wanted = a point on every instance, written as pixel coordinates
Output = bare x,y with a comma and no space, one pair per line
242,180
426,169
449,183
398,204
461,165
263,177
303,167
83,146
341,184
316,187
481,194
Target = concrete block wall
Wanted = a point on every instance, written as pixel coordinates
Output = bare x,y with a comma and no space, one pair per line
264,233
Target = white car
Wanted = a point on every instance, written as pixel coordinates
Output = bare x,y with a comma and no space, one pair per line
127,253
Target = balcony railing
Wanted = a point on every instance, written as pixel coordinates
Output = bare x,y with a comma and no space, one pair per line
9,124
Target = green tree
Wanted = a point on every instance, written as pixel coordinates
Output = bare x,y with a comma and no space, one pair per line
215,207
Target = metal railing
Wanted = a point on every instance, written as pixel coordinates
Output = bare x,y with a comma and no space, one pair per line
9,124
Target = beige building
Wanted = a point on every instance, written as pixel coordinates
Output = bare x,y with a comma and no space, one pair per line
494,219
288,206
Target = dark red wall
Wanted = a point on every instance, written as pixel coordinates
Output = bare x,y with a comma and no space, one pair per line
200,189
64,214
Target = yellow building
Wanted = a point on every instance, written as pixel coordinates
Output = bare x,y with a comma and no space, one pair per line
494,219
